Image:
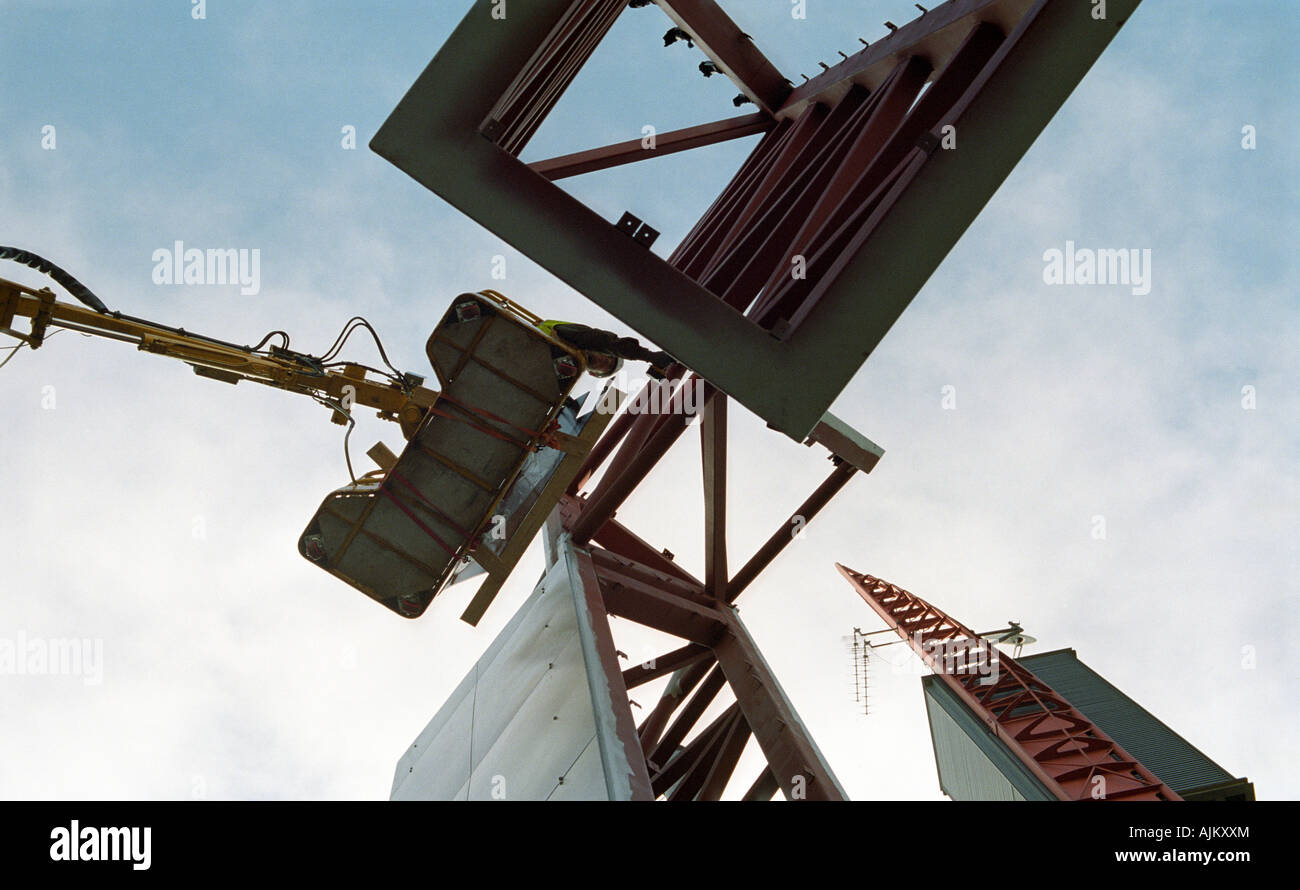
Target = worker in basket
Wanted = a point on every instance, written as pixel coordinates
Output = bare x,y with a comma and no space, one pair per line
605,350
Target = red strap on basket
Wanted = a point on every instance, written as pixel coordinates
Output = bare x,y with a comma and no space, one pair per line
428,531
536,437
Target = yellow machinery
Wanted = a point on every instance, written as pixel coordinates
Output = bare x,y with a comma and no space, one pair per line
486,460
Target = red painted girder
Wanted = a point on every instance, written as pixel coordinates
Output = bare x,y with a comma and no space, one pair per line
664,144
544,79
782,537
654,605
678,659
792,756
713,454
681,684
612,492
778,215
617,538
663,749
729,211
700,751
1061,746
910,39
852,205
707,779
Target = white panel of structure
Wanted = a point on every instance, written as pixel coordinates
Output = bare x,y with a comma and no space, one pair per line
521,725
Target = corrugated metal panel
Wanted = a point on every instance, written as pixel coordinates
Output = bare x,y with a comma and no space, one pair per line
973,764
1167,754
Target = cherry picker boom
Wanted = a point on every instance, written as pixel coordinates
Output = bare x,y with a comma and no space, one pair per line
487,457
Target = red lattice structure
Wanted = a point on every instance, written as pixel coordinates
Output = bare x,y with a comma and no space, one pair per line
1067,752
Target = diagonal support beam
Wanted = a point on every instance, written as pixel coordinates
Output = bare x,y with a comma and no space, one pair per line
612,493
682,684
674,661
792,756
701,750
649,602
713,448
708,690
618,538
634,150
765,787
782,537
724,765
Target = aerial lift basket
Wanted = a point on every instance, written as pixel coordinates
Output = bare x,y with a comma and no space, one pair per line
401,533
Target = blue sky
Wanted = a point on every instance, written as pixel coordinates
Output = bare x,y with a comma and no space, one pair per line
234,669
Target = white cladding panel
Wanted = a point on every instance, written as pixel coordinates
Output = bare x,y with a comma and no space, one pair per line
521,726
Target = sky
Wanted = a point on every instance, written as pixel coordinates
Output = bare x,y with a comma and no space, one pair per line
1115,470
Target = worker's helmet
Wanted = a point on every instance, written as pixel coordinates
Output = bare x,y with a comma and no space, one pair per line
603,364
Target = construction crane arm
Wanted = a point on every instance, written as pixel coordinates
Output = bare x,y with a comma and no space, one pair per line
341,384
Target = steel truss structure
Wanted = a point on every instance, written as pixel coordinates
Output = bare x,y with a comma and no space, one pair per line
1069,753
855,182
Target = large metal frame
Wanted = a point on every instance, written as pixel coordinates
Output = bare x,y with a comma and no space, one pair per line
848,203
851,176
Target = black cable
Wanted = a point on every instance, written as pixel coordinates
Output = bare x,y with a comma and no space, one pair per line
341,338
262,342
13,350
348,329
347,456
44,266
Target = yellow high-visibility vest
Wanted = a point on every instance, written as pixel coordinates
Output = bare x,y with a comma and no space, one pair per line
548,327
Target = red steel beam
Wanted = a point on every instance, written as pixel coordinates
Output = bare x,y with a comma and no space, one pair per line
701,750
687,655
724,765
708,776
537,89
855,201
682,683
765,787
611,493
727,210
731,49
921,36
616,432
895,98
646,412
792,756
777,210
820,497
651,605
664,748
668,143
713,449
618,538
1069,753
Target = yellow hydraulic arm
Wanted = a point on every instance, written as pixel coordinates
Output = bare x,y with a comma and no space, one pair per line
400,398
